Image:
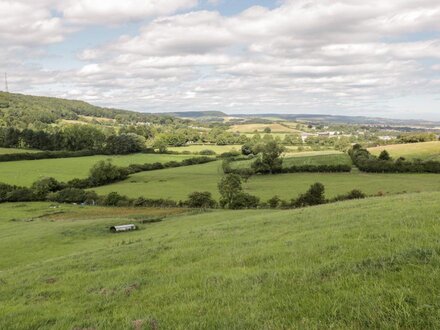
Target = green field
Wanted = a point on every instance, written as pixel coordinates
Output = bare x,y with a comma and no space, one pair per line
6,151
177,183
362,264
425,150
25,172
306,158
199,147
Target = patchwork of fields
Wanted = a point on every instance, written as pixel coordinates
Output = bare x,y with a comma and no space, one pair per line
361,264
177,183
25,172
251,128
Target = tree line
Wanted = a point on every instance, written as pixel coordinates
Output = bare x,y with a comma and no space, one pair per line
367,162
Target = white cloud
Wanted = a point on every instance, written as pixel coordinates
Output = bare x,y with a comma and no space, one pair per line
118,11
304,55
28,23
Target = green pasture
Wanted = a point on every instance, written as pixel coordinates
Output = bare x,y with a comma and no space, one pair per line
424,150
306,158
25,172
353,265
196,148
177,183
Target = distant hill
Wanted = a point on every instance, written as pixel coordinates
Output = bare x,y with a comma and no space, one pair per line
21,110
198,114
322,118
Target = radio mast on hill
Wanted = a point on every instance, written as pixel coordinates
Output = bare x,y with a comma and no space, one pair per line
6,83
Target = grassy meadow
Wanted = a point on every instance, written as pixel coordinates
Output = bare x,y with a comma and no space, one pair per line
424,150
25,172
362,264
177,183
195,148
315,158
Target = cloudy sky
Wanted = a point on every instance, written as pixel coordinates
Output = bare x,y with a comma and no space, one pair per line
351,57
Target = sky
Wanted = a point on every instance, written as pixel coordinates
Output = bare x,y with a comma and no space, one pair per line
343,57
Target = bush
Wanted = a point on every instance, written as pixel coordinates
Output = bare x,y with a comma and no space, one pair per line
274,202
313,196
114,199
201,200
46,155
5,189
105,172
148,202
354,194
230,154
244,201
207,152
246,149
125,143
21,195
44,186
73,195
384,155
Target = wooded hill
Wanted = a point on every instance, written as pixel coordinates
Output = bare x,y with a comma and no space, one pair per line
18,110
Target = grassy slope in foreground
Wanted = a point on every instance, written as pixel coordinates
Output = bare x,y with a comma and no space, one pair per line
360,264
25,172
177,183
425,150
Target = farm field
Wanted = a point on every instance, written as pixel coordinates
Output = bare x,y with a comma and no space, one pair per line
25,172
306,158
424,150
177,183
195,148
251,128
6,151
371,263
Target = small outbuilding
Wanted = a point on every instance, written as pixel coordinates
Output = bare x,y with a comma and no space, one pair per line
116,229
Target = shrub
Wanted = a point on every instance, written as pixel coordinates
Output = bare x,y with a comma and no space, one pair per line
230,154
207,152
246,149
244,201
148,202
5,189
105,172
114,199
384,155
274,202
21,195
201,200
313,196
44,186
73,195
354,194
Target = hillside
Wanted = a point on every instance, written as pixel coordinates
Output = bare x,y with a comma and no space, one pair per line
19,110
361,264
